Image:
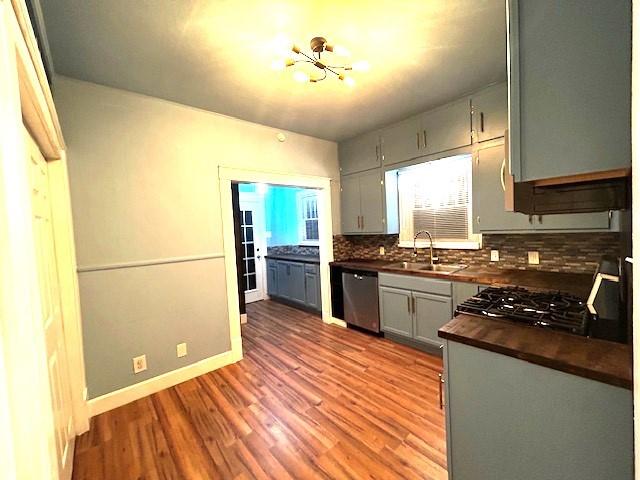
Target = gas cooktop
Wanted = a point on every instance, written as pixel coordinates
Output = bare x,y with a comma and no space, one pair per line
541,309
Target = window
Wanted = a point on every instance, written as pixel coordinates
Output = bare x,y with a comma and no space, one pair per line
436,196
308,207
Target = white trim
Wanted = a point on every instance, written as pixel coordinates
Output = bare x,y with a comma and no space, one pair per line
145,263
323,184
148,387
338,322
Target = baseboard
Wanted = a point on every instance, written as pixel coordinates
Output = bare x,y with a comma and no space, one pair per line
129,394
337,321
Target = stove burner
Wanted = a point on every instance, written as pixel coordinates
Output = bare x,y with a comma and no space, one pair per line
554,310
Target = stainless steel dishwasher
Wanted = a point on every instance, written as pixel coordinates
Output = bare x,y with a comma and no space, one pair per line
360,296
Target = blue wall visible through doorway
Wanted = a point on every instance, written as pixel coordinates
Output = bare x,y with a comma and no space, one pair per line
282,218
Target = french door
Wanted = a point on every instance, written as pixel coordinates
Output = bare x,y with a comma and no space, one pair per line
51,313
253,246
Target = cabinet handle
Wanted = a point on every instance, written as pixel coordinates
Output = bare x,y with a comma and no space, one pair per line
377,153
540,219
424,136
409,305
418,139
530,218
502,170
362,217
440,382
482,121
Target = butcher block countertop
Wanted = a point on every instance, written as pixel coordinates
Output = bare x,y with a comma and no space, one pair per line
600,360
578,284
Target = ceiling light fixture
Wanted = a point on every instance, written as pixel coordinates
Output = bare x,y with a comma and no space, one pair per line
319,45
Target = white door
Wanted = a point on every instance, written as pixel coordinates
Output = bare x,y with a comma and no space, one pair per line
51,315
254,246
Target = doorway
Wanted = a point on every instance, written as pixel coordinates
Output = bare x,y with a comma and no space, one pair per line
235,289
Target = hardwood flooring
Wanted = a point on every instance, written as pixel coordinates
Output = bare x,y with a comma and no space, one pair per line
308,400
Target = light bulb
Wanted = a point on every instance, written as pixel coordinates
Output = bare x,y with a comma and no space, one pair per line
278,64
349,81
300,77
360,66
340,50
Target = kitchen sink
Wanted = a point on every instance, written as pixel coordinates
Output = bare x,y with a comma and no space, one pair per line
439,268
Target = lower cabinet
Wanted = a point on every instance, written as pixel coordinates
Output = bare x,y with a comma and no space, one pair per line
430,313
509,419
296,282
413,307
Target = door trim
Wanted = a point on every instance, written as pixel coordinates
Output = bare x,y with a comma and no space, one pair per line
226,176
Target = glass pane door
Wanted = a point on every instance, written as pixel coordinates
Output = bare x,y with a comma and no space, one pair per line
249,249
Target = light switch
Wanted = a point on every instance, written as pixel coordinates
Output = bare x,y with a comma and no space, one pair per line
534,258
381,250
139,364
495,255
181,349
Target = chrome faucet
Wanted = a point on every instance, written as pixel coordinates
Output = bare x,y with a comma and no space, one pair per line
432,259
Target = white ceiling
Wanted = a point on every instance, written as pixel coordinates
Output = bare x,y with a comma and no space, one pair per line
217,55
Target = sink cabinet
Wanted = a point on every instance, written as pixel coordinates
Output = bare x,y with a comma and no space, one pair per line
414,307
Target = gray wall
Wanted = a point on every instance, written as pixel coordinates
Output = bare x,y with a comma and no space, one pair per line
144,186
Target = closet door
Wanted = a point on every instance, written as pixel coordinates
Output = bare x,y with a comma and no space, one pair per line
51,312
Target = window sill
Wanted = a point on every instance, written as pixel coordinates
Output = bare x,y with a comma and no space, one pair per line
470,245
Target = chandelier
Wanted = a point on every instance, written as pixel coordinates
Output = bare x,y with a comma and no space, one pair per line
324,66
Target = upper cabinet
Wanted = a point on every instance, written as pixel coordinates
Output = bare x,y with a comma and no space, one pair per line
360,153
488,203
445,128
489,116
569,87
362,201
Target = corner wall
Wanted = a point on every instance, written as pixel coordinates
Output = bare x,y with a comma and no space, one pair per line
146,206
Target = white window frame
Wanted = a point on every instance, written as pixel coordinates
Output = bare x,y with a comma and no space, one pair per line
474,242
302,197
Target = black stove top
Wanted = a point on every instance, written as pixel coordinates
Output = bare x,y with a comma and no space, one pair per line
541,309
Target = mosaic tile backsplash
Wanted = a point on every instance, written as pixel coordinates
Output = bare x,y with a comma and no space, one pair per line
559,252
293,250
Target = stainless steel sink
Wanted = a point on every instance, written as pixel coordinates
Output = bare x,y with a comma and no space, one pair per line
440,268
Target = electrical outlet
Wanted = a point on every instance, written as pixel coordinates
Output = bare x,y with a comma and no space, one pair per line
495,255
381,250
181,349
139,364
534,258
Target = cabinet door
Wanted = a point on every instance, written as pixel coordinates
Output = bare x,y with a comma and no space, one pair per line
371,202
447,127
272,278
570,97
489,115
312,290
489,214
350,203
463,291
395,311
401,141
283,279
296,282
430,313
359,153
573,221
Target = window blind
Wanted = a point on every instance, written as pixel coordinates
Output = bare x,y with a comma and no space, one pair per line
436,196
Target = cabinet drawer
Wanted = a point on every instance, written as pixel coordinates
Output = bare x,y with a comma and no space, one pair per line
418,284
311,268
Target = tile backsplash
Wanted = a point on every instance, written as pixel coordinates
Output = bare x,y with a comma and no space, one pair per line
559,252
293,250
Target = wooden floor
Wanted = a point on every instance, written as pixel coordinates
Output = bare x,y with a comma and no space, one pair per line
307,401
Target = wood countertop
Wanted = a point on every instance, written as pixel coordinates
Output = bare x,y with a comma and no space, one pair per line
600,360
578,284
